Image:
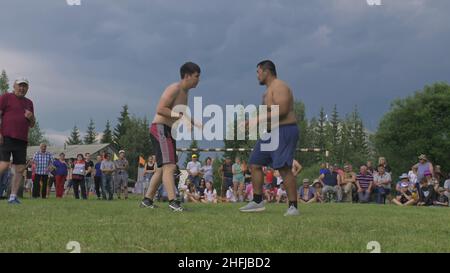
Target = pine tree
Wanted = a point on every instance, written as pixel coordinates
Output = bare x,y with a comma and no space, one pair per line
121,127
322,131
4,86
107,134
91,135
74,138
36,135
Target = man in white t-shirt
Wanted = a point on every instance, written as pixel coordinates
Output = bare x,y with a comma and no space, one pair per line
193,169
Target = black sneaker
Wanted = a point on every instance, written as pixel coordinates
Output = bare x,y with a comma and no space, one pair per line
147,203
175,206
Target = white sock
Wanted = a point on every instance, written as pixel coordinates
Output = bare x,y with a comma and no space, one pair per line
12,197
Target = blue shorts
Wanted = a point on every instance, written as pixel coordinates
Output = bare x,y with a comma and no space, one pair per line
283,155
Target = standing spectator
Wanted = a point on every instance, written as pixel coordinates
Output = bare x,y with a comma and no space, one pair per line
306,194
193,169
348,184
43,161
210,194
238,180
442,199
426,193
207,170
69,184
332,182
149,171
323,169
16,117
61,171
364,182
412,174
78,179
107,167
423,166
447,186
121,178
382,184
227,177
89,170
98,179
404,196
382,161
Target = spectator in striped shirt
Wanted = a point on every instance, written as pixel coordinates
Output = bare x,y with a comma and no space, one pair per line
364,182
43,161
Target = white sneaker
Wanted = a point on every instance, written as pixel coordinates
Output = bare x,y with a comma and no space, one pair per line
292,211
253,207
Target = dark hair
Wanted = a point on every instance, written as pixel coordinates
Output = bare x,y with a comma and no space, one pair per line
62,154
81,156
381,165
268,65
189,68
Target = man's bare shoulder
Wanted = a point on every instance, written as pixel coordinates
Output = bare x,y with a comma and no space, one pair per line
280,86
174,87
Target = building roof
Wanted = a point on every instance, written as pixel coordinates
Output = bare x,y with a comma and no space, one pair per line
71,150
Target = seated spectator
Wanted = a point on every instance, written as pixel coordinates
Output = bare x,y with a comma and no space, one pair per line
317,185
281,194
447,186
331,181
202,188
210,194
248,192
364,182
431,180
439,176
306,193
404,178
230,195
426,193
404,196
382,184
442,199
192,194
348,184
270,192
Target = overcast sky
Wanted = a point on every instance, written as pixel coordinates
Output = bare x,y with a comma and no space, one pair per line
88,60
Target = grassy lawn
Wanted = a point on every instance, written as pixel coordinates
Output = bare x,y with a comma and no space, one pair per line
120,226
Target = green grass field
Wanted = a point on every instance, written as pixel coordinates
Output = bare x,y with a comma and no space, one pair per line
121,226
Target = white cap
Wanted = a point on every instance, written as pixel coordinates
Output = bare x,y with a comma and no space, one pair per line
21,80
121,151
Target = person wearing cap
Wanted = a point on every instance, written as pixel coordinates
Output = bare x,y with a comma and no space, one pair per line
441,199
423,166
16,118
121,176
404,196
317,186
193,168
306,193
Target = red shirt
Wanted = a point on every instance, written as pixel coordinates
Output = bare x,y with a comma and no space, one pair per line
14,123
